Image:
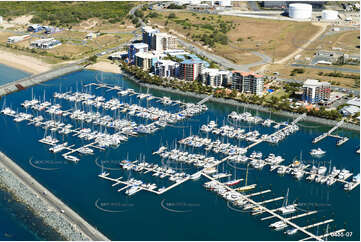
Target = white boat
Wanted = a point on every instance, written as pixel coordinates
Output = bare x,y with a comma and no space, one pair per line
322,170
317,152
71,158
196,176
58,148
132,190
210,170
291,231
287,209
278,225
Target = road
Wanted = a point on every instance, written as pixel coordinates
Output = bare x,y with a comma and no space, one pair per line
330,68
218,59
53,201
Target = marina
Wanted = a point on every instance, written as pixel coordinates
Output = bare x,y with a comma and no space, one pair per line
123,188
341,140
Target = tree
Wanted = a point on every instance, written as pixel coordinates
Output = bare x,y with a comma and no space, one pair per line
93,59
172,15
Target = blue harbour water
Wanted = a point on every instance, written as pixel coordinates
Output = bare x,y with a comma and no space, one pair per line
8,74
188,212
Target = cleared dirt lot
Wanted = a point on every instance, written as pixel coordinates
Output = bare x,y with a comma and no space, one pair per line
272,37
285,72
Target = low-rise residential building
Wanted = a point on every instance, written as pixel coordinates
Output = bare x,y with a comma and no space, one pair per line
134,49
215,78
51,30
315,91
166,68
146,60
248,82
15,39
190,70
45,43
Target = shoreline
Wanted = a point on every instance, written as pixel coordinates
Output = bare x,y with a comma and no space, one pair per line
29,64
105,66
44,204
312,119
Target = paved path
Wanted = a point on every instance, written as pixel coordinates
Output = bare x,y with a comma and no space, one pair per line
52,200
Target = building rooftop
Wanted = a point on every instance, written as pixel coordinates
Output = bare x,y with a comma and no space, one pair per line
192,62
313,82
147,55
350,110
149,29
168,62
243,73
354,102
139,45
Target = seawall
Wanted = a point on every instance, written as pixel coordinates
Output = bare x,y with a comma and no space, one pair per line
250,106
44,204
36,79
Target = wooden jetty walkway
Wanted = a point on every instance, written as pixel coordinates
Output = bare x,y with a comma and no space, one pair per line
272,212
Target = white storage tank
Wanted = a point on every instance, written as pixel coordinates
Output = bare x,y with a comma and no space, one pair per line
329,15
300,11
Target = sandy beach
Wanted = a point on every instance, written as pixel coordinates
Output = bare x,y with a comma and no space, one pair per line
22,62
105,66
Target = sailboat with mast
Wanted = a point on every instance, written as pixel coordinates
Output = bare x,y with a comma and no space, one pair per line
287,209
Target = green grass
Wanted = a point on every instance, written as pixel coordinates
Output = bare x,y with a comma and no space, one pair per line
66,13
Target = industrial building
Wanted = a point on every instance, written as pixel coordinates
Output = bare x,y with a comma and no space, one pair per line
45,43
166,68
352,108
134,49
190,70
215,78
15,39
315,91
280,5
51,30
35,28
247,82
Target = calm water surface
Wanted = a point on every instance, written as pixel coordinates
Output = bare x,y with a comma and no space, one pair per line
201,215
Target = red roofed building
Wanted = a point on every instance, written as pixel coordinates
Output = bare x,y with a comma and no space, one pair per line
247,82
